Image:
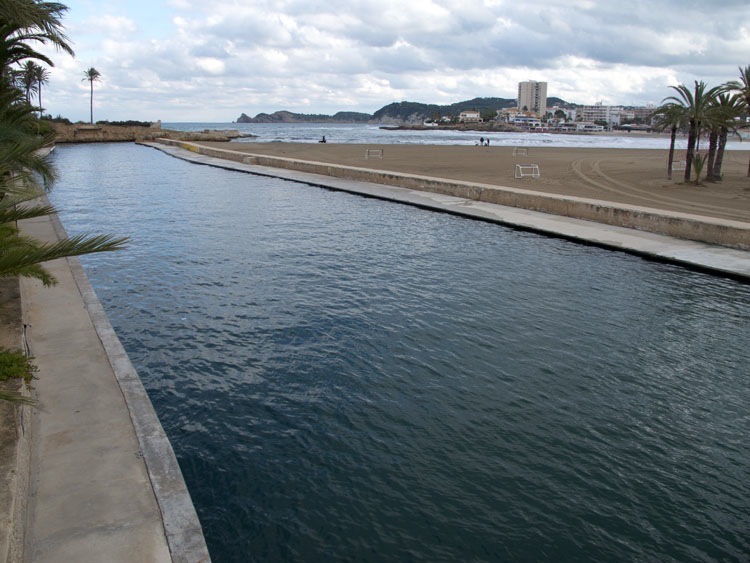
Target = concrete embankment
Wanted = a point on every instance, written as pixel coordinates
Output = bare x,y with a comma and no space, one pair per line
698,254
104,482
714,231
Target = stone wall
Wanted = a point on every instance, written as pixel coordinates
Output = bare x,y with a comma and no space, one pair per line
15,434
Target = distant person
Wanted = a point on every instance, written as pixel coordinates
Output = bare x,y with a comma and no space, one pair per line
323,140
481,141
488,142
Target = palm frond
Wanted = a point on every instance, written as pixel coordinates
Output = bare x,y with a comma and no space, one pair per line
22,256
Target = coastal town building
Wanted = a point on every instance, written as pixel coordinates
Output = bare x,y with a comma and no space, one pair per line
611,115
588,126
567,114
532,96
521,119
469,116
643,114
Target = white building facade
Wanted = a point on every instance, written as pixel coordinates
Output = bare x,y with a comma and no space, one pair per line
612,115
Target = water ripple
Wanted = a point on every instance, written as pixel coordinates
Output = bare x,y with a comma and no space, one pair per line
346,379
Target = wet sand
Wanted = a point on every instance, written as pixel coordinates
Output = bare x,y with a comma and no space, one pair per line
629,176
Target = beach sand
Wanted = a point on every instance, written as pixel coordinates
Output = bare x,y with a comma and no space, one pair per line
630,176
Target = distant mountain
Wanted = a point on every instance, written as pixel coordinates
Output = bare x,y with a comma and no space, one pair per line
397,113
415,112
289,117
551,102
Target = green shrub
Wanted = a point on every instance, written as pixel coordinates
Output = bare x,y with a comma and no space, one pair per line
128,123
15,365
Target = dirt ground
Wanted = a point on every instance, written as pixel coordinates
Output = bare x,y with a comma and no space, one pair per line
629,176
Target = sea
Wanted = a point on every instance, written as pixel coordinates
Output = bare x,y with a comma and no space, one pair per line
375,134
347,379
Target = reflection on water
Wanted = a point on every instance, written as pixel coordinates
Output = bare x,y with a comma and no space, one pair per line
345,379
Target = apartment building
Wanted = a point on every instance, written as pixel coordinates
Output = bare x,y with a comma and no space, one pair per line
532,96
612,115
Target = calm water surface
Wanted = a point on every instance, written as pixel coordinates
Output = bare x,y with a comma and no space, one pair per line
345,379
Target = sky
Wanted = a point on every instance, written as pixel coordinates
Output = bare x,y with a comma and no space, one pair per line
212,60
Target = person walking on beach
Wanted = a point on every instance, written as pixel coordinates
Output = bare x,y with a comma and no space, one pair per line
481,141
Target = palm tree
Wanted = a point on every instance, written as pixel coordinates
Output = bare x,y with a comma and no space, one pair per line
669,116
743,87
24,173
92,75
42,77
27,79
44,19
725,109
694,104
24,23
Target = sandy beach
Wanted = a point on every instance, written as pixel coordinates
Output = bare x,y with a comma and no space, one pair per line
629,176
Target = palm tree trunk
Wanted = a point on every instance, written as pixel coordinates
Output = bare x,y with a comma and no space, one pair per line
713,141
92,102
723,134
670,160
692,136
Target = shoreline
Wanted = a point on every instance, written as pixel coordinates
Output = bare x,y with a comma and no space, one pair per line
490,128
627,176
475,201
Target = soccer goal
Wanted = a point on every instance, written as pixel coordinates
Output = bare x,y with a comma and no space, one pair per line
524,170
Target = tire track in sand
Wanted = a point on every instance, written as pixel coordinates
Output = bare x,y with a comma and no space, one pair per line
601,180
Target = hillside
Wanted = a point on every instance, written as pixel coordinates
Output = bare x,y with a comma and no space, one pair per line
290,117
397,113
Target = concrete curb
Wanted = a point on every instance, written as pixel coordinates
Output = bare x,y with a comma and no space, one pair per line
182,528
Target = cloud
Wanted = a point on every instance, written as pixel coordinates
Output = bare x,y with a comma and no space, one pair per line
197,60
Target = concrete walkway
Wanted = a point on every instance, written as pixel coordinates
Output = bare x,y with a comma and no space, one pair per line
104,482
698,255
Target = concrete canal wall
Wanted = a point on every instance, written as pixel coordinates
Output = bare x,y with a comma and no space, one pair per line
104,483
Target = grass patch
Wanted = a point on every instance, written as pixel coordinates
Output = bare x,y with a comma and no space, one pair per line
14,364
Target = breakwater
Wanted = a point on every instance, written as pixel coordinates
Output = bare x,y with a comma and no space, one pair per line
104,133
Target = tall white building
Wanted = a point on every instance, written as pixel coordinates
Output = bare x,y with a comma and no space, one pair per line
532,95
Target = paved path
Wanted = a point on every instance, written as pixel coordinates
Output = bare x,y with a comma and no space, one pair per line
105,485
698,255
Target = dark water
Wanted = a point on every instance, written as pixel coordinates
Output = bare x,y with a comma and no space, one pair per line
345,379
